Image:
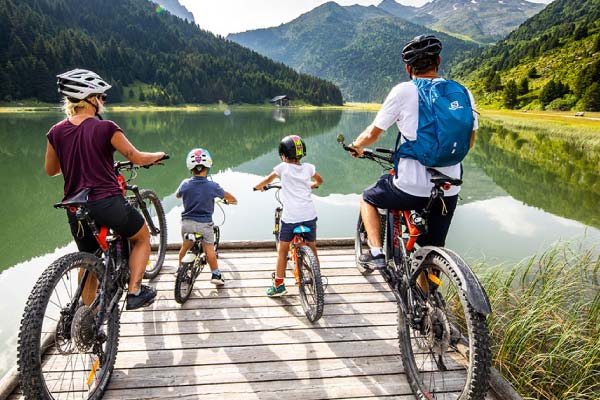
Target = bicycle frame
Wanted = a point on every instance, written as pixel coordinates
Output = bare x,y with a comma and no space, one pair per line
123,182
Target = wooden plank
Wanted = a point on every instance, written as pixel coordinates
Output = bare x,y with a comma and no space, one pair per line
244,325
254,313
230,274
226,292
197,301
203,283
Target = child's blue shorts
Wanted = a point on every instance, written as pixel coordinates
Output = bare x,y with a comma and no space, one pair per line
286,231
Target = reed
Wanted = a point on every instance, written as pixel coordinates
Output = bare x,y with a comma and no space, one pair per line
545,326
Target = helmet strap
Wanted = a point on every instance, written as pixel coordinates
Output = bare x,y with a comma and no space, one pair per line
95,108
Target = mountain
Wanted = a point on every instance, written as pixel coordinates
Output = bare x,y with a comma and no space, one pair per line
484,21
129,42
551,61
175,8
356,47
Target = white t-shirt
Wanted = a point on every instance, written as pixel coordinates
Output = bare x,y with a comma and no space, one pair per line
296,181
402,107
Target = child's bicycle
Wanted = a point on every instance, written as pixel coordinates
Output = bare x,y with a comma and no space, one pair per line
307,272
194,261
442,307
69,333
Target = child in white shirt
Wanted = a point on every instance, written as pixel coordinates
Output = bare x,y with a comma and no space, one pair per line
297,181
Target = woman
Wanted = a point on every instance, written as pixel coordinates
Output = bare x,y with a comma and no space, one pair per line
81,147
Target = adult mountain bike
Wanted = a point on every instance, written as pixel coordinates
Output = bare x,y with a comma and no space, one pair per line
69,333
194,261
150,206
442,307
307,272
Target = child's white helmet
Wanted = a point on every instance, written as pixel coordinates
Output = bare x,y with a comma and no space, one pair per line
81,83
198,157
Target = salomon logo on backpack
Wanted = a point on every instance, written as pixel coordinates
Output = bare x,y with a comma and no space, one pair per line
445,125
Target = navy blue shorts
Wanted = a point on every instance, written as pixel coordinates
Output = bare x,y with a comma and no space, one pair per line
286,231
384,194
114,212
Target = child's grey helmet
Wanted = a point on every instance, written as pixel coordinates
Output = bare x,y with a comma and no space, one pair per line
421,47
81,84
198,157
292,147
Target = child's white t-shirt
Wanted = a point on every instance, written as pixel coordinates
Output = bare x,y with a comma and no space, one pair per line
296,181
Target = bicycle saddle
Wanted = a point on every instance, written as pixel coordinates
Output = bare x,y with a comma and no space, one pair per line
301,229
80,199
438,178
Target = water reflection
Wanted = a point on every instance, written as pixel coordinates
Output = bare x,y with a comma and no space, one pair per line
542,170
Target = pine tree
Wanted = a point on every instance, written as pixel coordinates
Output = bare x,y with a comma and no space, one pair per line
523,86
510,95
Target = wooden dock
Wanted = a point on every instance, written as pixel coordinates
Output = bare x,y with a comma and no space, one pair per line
236,343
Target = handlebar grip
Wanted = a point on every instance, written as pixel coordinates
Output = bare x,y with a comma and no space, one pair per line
384,150
166,157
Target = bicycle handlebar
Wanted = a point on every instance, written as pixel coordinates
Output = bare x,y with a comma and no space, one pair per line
129,165
269,186
368,153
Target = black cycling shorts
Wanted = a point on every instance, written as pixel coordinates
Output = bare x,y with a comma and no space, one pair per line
113,212
384,194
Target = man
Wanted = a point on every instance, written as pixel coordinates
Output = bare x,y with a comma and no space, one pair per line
410,187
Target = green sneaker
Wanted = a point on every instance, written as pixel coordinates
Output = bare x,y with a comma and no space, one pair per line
276,291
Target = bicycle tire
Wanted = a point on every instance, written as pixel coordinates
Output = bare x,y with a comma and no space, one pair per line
361,245
184,282
312,296
158,242
456,319
39,356
217,232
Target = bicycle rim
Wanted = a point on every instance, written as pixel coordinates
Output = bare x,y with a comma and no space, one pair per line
59,355
449,357
158,241
184,283
311,285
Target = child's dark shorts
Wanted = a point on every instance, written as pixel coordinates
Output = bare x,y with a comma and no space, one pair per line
286,231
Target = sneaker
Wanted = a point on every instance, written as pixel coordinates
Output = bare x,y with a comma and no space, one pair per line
276,291
144,299
217,279
369,262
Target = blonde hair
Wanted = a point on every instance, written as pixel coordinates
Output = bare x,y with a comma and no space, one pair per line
70,108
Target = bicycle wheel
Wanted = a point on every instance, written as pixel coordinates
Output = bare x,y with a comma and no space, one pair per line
449,356
59,355
158,240
217,232
361,245
184,283
312,296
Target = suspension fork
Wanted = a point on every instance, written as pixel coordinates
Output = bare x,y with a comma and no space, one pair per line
142,205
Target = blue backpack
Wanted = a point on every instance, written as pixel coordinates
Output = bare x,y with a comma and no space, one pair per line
445,125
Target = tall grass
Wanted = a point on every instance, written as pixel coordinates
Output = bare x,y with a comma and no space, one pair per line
545,326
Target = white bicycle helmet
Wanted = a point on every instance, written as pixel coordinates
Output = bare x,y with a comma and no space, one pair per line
80,84
198,157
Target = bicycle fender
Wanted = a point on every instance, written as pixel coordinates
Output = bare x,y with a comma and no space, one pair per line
475,292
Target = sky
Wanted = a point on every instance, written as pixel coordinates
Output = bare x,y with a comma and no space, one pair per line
231,16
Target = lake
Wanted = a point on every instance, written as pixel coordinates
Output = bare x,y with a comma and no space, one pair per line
522,191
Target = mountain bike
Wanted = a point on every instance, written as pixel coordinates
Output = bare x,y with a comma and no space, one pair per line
307,272
150,206
442,307
69,333
194,261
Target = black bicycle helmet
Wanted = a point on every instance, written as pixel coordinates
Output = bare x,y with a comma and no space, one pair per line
292,147
422,47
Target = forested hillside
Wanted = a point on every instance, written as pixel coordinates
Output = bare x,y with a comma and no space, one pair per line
552,61
128,42
356,47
